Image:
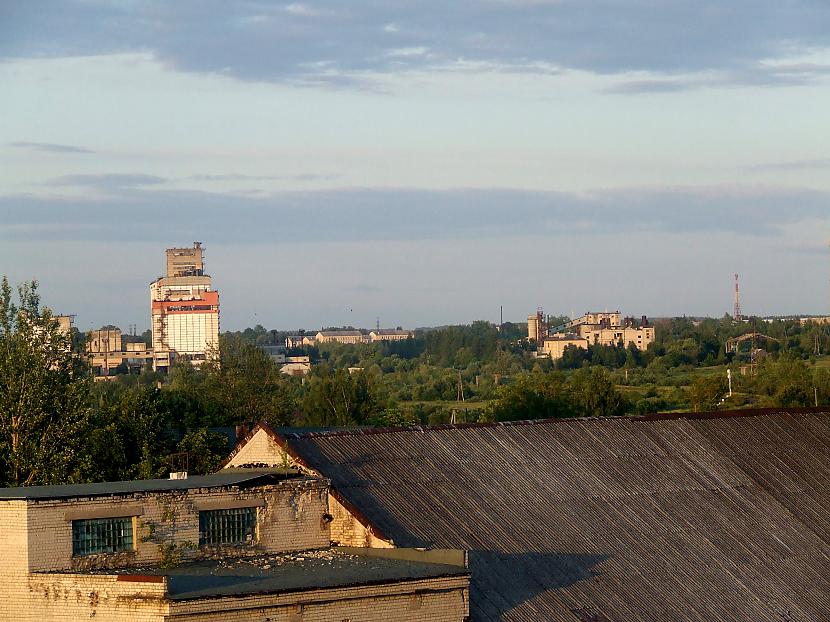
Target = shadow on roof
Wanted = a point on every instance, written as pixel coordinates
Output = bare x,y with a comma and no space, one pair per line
522,577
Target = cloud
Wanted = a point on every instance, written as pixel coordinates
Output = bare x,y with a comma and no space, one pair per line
51,147
792,165
241,177
109,181
280,42
357,214
636,87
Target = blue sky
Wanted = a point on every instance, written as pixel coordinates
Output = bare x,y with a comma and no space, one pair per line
421,162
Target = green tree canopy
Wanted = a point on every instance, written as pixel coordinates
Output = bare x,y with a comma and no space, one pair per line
44,394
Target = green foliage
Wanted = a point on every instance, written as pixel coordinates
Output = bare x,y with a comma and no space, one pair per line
338,398
786,382
707,393
594,394
44,410
589,392
531,396
205,450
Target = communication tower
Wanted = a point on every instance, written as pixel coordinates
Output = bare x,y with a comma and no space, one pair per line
737,311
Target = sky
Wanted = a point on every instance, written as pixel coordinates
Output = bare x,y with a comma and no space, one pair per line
418,163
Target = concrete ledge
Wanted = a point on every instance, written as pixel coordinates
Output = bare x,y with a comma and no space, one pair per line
450,557
110,511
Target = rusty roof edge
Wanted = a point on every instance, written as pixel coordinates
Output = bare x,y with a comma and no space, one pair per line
714,414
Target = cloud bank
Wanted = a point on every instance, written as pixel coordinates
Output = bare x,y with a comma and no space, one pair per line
355,214
332,42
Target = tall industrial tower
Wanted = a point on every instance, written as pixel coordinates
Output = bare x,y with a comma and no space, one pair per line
737,311
185,310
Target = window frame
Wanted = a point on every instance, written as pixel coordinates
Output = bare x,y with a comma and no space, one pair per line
218,519
123,542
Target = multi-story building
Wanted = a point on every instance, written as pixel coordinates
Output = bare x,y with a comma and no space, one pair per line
390,334
299,341
610,329
185,310
107,351
554,346
340,336
594,328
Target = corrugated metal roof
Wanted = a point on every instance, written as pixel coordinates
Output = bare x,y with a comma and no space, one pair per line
248,477
706,517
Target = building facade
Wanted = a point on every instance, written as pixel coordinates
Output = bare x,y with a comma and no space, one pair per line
249,545
340,336
184,310
390,334
594,328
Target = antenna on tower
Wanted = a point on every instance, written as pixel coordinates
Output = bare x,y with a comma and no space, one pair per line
737,311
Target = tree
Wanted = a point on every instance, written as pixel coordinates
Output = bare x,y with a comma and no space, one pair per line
531,396
340,399
594,394
247,386
44,391
707,393
205,450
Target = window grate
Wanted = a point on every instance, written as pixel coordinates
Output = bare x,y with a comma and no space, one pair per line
102,535
232,526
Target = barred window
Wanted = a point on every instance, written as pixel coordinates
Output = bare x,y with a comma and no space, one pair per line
102,535
232,526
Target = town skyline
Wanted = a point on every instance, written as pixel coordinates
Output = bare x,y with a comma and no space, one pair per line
425,166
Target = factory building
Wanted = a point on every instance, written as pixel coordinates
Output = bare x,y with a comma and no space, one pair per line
593,328
185,310
107,352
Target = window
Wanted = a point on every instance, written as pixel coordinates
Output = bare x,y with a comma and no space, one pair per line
232,526
102,535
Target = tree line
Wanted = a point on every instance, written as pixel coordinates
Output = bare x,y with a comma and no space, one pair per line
58,426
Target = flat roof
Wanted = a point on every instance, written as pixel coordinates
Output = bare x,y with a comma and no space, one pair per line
246,477
286,572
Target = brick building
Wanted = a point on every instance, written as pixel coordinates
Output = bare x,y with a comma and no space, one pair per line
248,546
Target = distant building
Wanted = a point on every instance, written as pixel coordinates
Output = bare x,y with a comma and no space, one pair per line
289,365
275,353
185,310
821,320
554,346
296,366
103,341
388,334
298,341
593,328
610,329
340,336
106,351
